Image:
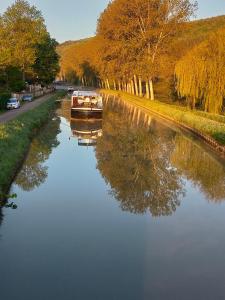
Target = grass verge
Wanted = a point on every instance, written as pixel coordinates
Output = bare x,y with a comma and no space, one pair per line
15,138
205,124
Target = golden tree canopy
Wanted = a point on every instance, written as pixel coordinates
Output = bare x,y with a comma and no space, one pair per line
201,73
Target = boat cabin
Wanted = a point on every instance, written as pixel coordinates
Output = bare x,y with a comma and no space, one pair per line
86,102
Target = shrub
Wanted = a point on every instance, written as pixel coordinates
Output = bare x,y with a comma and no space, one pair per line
4,97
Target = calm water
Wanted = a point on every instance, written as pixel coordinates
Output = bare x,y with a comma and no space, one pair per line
121,208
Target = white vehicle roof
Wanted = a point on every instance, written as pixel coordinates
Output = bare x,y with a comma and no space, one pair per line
85,93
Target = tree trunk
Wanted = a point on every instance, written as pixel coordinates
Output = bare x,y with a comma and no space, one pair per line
114,84
151,89
147,90
119,85
132,87
140,87
107,82
128,87
136,85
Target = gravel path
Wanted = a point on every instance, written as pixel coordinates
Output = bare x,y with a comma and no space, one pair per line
11,114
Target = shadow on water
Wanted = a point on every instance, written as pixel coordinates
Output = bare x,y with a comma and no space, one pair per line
146,163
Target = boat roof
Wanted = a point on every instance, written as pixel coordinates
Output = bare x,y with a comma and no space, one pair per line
85,93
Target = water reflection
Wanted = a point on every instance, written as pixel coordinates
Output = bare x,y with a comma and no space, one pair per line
34,172
1,216
135,160
146,163
87,131
203,170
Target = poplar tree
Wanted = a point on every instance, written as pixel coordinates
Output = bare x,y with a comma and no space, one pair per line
136,31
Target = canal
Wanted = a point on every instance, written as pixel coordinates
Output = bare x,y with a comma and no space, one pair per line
127,207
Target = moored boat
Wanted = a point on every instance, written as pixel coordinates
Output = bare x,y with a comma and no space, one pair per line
86,103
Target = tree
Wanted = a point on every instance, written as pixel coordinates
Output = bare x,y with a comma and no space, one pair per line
81,59
201,74
134,32
22,28
46,65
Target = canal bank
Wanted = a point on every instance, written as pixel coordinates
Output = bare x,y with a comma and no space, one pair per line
16,136
208,127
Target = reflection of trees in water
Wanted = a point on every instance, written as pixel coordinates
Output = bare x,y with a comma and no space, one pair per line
134,160
199,167
33,172
64,109
1,216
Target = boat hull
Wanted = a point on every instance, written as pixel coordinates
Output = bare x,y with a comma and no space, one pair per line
88,112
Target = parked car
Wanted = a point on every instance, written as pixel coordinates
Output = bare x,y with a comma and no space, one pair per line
27,98
13,103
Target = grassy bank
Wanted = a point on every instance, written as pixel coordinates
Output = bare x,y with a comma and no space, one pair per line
205,124
15,138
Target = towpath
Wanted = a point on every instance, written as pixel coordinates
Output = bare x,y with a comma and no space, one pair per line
12,114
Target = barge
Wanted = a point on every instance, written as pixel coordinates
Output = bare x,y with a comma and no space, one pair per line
87,103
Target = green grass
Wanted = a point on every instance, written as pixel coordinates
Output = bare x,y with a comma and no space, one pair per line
207,124
15,138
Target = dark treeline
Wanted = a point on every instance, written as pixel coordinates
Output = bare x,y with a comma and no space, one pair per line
141,45
27,51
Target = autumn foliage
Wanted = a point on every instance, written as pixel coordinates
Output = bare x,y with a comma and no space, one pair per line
141,43
201,74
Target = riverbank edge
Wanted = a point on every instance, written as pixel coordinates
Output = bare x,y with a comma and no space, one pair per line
16,137
210,131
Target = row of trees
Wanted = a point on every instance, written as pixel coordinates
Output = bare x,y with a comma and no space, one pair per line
141,43
27,51
132,41
201,74
135,35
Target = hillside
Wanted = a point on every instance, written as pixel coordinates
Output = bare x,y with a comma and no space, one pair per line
195,31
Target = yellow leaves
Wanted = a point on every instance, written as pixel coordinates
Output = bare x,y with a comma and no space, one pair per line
201,73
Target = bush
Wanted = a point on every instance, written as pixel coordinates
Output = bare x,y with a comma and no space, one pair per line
4,97
18,86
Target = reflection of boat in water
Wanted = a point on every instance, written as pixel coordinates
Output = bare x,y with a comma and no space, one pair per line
86,103
87,131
